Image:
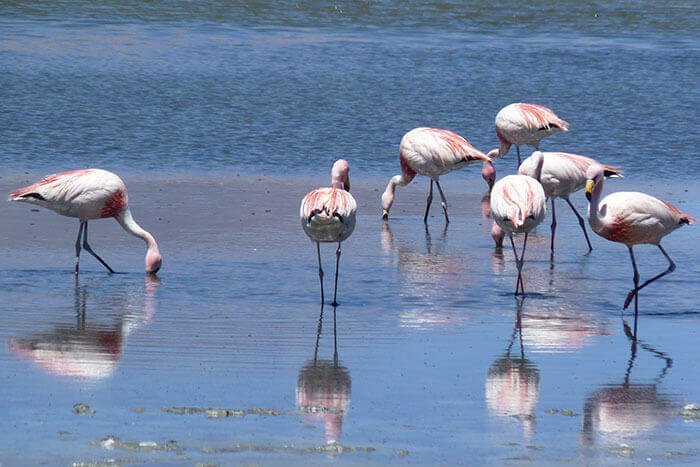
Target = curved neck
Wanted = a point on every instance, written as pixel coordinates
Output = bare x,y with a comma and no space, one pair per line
593,210
126,220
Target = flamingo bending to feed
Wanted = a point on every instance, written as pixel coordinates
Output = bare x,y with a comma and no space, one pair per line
328,215
631,218
562,174
432,152
517,206
89,194
525,124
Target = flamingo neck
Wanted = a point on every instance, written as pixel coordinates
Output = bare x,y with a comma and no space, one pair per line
593,207
539,162
388,195
153,256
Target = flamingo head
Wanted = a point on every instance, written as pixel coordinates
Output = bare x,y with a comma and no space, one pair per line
340,175
488,173
497,234
153,261
594,175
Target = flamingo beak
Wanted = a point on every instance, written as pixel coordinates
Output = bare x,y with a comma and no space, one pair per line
385,214
346,184
589,189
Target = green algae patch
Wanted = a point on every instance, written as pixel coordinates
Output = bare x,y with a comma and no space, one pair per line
565,412
690,412
112,442
82,408
218,412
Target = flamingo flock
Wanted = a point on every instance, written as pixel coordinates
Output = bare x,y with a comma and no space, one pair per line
517,203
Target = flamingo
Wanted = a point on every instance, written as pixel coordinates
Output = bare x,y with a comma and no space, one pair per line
328,215
518,206
431,152
89,194
562,174
525,124
631,218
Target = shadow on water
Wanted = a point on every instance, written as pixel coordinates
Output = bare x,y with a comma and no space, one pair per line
620,411
86,348
323,388
513,381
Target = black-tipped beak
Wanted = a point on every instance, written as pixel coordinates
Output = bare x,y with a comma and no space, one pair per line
589,189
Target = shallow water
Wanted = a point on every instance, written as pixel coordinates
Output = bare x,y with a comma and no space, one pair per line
432,360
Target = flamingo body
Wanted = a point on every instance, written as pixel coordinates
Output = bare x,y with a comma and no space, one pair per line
562,174
517,206
89,194
328,215
431,152
631,218
528,124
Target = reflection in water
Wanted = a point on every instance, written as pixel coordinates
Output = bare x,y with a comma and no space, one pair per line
551,326
628,409
323,388
85,349
513,382
426,278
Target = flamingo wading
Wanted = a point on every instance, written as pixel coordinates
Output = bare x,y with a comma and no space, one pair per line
518,206
431,152
89,194
562,174
328,215
525,124
631,218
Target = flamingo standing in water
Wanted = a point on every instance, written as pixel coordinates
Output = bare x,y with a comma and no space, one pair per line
562,174
432,152
525,124
89,194
631,218
328,215
517,206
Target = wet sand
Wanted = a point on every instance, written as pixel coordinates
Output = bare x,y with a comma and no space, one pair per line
433,359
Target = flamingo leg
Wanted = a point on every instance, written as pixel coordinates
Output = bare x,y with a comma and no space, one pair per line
444,201
637,287
519,264
582,223
87,248
320,270
337,263
77,246
430,200
554,229
517,150
635,279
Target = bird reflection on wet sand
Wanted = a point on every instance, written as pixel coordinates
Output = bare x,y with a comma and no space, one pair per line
427,275
87,349
625,410
323,388
513,381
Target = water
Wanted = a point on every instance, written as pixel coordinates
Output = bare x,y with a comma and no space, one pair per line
221,117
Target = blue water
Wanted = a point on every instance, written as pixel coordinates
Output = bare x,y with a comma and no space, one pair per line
436,361
174,86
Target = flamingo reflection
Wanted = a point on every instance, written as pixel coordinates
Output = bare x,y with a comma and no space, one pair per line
323,388
625,410
427,277
513,381
86,349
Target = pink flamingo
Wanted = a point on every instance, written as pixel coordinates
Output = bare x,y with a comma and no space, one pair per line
562,174
517,206
89,194
432,152
631,218
328,215
525,124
